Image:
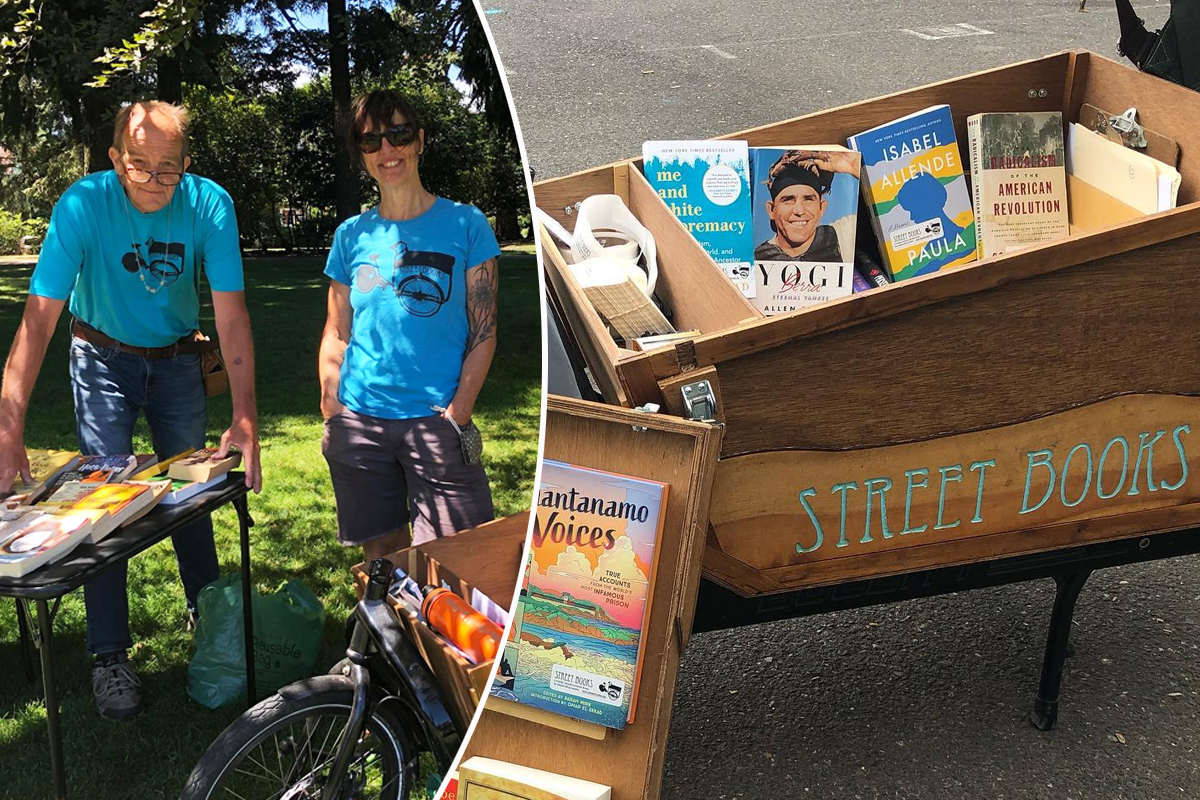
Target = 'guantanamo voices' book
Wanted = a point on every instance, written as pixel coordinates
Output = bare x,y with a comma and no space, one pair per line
913,183
576,641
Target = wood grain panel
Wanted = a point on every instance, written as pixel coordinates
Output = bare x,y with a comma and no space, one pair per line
803,509
681,454
1120,324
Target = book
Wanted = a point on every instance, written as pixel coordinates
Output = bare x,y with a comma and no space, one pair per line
44,468
121,502
159,467
490,779
1018,179
181,490
576,640
35,538
202,466
805,218
98,469
914,187
706,184
451,791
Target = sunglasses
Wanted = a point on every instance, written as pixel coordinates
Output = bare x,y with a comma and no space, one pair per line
399,136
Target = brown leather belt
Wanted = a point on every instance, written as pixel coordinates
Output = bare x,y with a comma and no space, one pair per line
185,345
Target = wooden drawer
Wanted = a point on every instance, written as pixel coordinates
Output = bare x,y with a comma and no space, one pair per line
949,402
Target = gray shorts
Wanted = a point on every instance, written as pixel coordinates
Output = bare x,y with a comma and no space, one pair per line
389,472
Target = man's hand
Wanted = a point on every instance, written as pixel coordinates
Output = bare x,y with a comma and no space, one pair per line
243,434
14,460
837,161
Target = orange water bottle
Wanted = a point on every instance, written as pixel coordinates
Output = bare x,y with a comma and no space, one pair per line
454,618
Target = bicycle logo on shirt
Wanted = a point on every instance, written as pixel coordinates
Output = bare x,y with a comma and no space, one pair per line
421,279
159,264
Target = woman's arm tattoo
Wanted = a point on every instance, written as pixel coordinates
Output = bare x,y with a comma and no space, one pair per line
481,304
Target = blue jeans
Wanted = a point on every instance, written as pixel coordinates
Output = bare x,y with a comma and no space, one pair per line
111,388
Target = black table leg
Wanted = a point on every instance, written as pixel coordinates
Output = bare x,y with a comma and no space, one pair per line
45,623
1045,707
245,523
26,637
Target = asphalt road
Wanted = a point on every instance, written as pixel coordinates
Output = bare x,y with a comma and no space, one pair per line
926,699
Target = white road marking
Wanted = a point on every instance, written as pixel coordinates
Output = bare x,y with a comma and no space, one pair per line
955,31
714,49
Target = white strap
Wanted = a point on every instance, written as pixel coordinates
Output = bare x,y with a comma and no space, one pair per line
608,212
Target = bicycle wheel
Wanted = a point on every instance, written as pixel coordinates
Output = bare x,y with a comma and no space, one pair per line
283,748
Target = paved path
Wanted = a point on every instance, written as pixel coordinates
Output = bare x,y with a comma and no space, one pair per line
926,699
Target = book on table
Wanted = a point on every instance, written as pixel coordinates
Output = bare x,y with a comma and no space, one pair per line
181,490
122,503
576,643
491,779
159,467
31,538
44,468
203,465
914,187
1018,179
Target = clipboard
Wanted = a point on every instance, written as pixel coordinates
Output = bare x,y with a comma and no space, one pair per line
1157,146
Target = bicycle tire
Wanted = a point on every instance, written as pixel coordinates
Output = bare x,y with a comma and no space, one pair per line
229,750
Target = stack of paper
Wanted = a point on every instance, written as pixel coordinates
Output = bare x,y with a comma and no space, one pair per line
1111,184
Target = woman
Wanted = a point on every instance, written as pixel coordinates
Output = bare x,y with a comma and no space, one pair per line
409,336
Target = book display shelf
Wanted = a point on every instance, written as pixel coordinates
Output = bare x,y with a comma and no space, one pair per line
1033,414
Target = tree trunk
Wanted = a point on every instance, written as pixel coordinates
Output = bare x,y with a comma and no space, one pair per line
344,185
99,130
508,228
170,79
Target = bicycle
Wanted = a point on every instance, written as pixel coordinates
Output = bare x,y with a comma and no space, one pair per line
372,715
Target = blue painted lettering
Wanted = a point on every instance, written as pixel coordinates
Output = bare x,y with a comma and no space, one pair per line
804,495
877,486
1087,483
946,478
911,484
1148,449
843,488
1124,468
1177,436
1037,458
982,465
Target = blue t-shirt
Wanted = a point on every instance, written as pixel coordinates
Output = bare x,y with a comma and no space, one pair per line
407,279
131,275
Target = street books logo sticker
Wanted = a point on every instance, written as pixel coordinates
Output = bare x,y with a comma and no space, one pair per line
421,279
158,264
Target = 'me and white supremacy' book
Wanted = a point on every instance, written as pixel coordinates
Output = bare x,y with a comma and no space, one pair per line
577,638
706,184
914,185
805,216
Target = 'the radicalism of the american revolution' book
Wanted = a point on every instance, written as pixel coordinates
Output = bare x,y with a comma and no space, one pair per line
1018,179
805,217
706,184
913,183
576,640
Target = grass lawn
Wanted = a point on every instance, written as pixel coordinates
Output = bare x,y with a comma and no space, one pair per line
294,535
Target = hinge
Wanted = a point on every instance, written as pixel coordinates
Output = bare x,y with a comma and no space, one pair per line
699,401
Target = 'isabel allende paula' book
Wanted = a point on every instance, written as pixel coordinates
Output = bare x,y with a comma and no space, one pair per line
577,637
706,184
914,186
1018,179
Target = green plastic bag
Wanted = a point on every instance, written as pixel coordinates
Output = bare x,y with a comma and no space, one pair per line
287,636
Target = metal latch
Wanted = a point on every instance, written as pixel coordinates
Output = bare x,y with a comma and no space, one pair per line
1127,127
699,401
648,408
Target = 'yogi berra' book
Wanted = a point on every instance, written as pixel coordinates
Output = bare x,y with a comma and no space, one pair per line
576,639
805,216
913,183
1018,179
707,187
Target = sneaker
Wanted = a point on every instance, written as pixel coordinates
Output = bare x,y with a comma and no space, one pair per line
193,621
115,686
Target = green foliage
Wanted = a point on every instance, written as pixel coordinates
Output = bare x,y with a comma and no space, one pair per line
11,231
168,25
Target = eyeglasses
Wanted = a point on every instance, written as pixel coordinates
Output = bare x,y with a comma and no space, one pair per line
399,136
138,175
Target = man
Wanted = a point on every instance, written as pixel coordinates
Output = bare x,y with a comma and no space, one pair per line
799,183
127,246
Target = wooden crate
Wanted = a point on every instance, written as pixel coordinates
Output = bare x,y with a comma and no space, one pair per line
682,454
487,557
945,402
